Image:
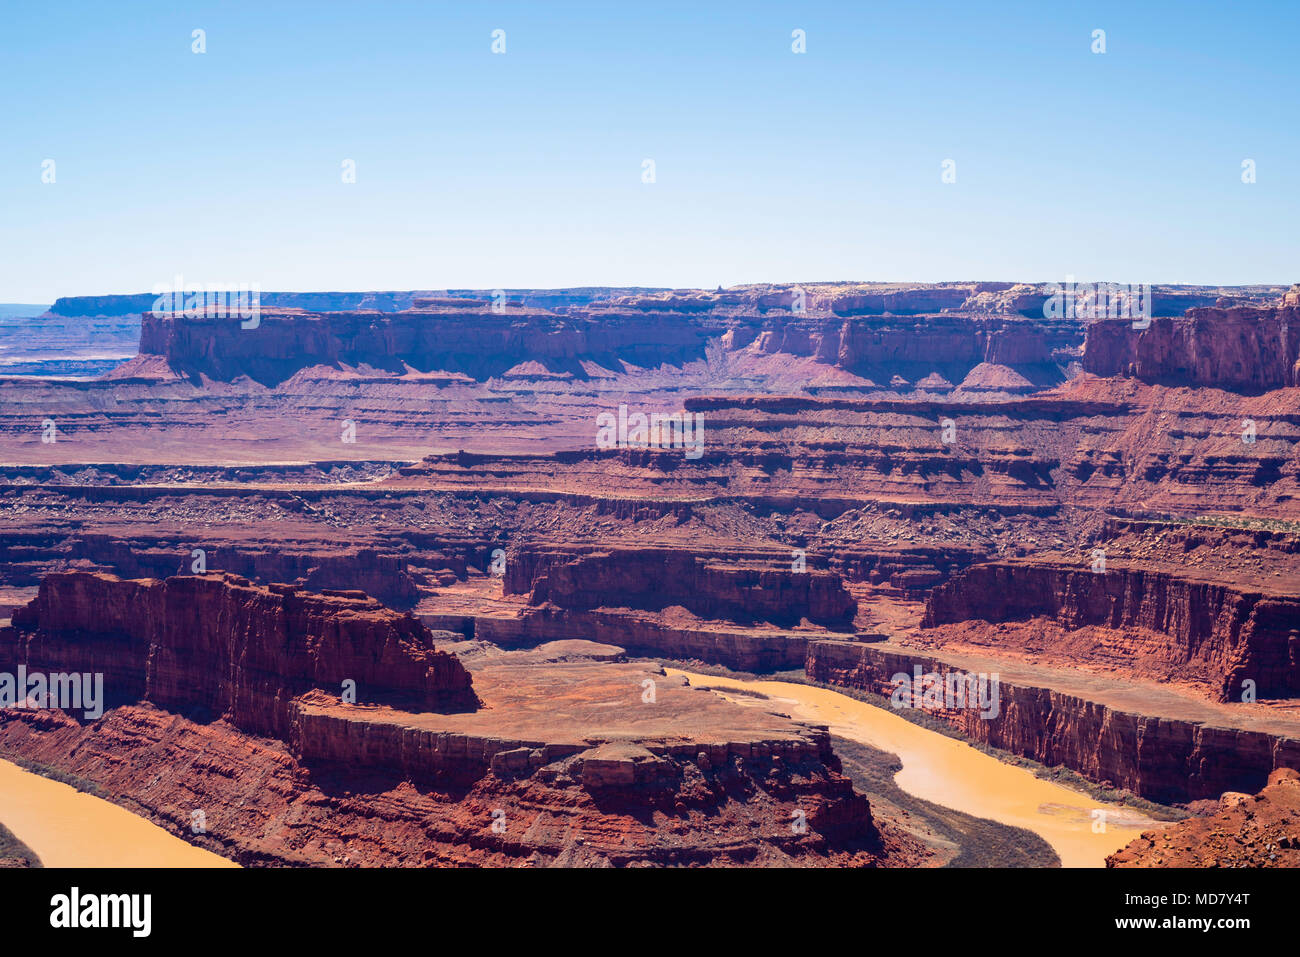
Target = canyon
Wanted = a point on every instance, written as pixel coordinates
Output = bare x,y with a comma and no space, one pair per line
404,491
427,761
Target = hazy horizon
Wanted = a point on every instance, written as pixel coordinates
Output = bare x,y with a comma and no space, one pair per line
645,286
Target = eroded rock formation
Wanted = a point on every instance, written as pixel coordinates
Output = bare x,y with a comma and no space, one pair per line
1241,349
220,645
1247,830
911,442
1234,635
227,696
1163,759
740,587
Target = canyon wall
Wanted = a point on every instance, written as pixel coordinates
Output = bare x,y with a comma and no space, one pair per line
909,572
474,342
649,635
951,347
385,577
744,608
220,645
968,337
1236,634
877,338
1239,349
471,339
732,586
1162,759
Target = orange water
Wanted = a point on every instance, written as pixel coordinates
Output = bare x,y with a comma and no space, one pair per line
65,827
952,773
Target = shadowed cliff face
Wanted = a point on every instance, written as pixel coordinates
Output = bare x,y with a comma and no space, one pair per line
887,339
220,645
939,352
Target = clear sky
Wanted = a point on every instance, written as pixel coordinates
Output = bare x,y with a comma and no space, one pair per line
525,168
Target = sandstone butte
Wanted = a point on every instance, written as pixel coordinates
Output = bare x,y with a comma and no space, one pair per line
892,476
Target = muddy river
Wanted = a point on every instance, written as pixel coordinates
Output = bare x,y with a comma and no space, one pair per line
65,827
950,772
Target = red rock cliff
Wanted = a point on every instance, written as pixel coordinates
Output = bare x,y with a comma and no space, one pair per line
1235,633
215,643
477,343
728,586
1240,349
1162,759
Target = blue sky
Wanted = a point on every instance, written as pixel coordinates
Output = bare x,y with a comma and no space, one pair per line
525,169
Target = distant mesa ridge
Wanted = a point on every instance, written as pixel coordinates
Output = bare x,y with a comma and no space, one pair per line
968,338
381,301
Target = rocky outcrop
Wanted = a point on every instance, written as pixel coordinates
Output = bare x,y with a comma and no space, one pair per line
734,585
954,346
909,572
1163,759
1235,634
899,302
1259,830
217,645
652,635
385,577
1240,349
412,563
734,606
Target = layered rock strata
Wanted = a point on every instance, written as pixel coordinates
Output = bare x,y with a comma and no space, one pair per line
227,698
1240,349
1231,634
1164,759
752,585
218,645
734,606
